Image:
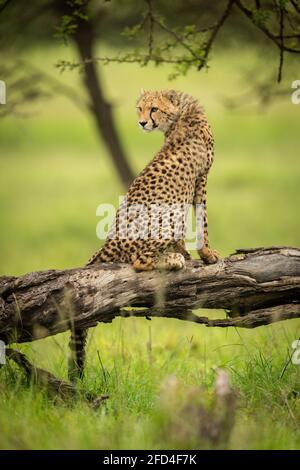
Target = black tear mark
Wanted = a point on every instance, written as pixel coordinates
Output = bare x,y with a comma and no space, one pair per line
154,125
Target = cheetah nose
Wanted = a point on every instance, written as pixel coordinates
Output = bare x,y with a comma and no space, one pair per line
142,123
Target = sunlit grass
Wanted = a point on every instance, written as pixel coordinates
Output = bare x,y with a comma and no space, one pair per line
131,374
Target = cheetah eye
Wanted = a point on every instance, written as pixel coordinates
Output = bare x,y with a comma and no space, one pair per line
139,108
153,110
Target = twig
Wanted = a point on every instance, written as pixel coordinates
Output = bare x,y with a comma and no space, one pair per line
295,5
216,29
281,22
151,26
66,90
253,319
180,41
4,5
195,58
124,60
286,365
248,13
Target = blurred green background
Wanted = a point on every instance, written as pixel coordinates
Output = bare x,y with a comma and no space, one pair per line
53,176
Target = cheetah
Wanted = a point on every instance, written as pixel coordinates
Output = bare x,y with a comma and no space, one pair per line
177,175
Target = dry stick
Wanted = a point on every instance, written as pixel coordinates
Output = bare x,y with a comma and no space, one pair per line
40,376
48,381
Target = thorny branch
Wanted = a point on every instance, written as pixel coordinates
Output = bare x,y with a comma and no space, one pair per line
279,40
264,17
217,28
28,82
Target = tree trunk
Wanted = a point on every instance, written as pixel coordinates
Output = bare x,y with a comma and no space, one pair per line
255,287
84,40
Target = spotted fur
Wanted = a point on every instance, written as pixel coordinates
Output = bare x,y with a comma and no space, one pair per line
77,357
177,174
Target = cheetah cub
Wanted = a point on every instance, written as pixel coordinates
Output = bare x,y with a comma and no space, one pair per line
175,178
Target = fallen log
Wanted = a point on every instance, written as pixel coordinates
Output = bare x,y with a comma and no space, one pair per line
254,286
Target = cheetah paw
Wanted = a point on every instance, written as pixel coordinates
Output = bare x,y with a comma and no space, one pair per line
171,262
208,255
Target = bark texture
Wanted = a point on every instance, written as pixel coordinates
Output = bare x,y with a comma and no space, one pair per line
255,287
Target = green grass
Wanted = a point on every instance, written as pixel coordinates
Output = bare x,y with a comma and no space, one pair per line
53,175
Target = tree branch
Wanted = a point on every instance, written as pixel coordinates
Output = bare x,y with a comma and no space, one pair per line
277,40
217,28
255,287
295,5
195,50
4,5
281,25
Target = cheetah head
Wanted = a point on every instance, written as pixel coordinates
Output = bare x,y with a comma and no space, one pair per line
157,109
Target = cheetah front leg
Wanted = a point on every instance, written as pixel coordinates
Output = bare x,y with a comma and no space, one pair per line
181,248
165,262
208,255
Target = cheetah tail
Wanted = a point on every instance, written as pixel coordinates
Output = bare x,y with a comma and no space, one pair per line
77,357
96,258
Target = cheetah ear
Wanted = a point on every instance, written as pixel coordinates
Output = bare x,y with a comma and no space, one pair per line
172,95
142,92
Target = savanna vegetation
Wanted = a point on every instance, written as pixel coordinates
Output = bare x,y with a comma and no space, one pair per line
54,173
